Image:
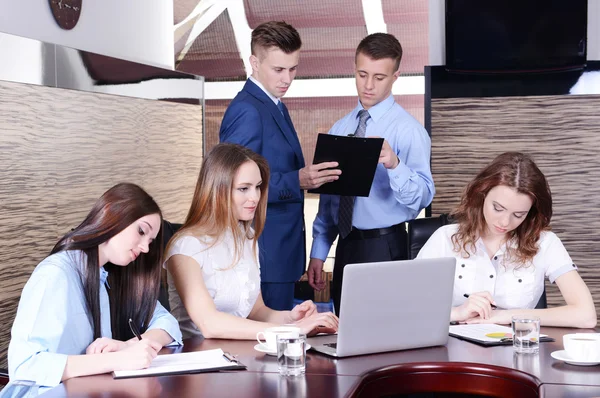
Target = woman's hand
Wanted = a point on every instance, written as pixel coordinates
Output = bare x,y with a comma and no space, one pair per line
104,344
477,305
301,311
501,317
320,322
137,355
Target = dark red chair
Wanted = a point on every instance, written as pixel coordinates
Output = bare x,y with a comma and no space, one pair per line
446,379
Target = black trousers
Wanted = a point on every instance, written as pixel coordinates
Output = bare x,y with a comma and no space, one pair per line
363,247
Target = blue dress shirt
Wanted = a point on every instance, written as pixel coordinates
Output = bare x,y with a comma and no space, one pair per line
52,320
397,195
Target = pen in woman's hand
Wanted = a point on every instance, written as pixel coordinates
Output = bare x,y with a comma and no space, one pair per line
134,329
492,305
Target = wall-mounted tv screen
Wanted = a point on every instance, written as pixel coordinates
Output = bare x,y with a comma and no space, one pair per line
515,35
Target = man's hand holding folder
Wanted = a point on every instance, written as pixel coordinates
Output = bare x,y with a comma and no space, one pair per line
357,159
387,156
315,175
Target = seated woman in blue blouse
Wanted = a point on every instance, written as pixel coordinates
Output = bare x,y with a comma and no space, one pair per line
73,314
504,250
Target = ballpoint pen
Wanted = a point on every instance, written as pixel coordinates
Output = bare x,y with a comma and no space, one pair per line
492,305
134,329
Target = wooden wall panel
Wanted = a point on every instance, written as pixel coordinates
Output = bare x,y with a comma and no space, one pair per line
61,149
561,133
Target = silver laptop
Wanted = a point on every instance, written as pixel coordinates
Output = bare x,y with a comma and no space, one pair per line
391,306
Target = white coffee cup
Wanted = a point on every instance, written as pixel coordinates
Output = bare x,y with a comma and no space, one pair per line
582,347
270,335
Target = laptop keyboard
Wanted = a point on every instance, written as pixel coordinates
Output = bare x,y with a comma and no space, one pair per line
332,345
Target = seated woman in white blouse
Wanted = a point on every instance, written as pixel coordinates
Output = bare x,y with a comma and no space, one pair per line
212,261
73,316
504,249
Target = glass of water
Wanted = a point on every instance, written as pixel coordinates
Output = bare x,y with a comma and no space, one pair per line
526,334
291,354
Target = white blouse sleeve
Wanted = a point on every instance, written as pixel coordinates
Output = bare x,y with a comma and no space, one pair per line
438,245
554,256
188,246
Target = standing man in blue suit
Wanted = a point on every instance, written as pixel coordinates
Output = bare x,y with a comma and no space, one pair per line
372,229
257,119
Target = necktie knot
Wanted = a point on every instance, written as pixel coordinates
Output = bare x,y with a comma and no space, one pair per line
280,106
363,116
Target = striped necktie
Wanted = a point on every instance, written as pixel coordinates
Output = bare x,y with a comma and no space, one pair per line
346,207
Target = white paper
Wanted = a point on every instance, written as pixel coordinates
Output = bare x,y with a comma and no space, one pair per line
184,362
479,331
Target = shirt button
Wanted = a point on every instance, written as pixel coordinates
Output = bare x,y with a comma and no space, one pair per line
491,276
520,280
462,265
495,257
460,277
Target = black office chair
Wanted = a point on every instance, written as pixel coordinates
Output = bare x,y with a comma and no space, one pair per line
542,303
3,377
169,230
421,229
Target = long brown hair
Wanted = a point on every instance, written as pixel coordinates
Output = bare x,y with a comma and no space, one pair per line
134,289
518,171
211,213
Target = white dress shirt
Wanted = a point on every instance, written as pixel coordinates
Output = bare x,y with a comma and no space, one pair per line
233,287
510,285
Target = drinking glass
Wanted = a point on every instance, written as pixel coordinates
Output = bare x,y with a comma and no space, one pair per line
291,354
526,334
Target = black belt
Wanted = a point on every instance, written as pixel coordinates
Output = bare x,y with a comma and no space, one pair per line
375,233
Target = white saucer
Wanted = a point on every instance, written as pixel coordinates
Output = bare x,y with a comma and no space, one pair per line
262,348
562,355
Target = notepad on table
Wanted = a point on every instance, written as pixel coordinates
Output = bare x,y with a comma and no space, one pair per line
184,363
487,334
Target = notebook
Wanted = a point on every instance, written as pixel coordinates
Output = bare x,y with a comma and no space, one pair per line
488,335
185,363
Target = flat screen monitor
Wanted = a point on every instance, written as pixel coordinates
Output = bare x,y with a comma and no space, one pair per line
515,35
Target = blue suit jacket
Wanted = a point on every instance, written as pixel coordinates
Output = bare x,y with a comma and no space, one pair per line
253,120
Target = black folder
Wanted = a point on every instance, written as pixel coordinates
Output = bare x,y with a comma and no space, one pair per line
544,339
357,158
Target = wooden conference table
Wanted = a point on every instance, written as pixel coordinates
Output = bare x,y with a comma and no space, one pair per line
459,366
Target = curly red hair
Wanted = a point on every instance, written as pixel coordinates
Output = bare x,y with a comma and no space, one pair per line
515,170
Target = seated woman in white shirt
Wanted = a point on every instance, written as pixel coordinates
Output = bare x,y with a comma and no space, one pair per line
73,315
504,250
212,261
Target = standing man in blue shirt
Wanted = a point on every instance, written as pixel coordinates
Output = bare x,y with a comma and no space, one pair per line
257,119
372,229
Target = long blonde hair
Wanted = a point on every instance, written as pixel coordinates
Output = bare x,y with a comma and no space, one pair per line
211,213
